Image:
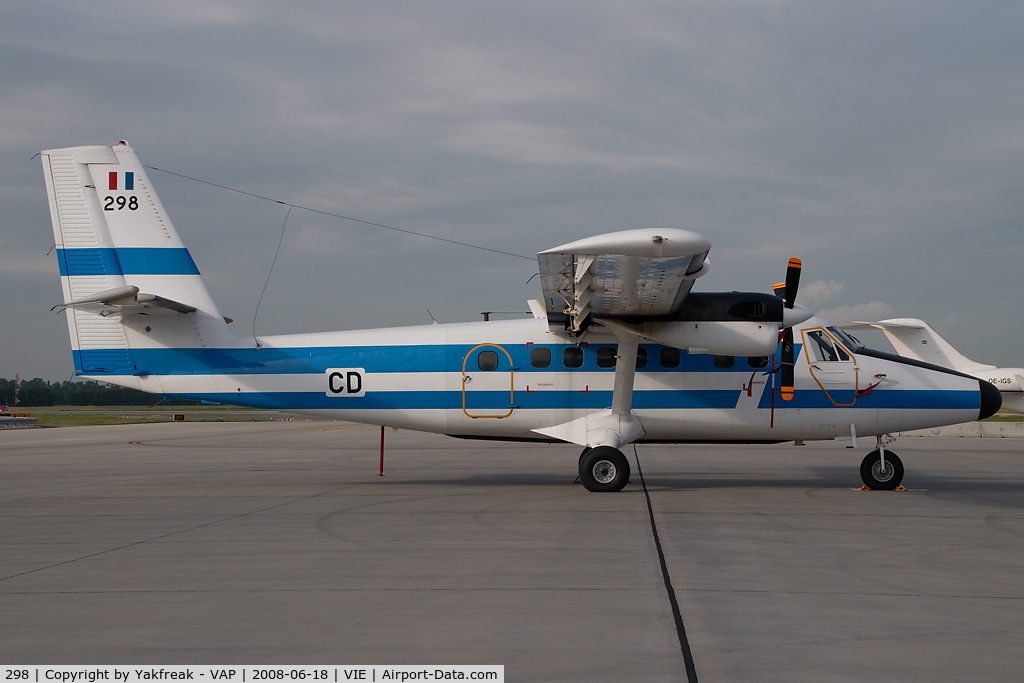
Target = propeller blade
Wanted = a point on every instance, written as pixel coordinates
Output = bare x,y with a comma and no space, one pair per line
779,290
786,374
792,281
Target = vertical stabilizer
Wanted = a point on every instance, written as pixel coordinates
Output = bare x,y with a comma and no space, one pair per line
913,338
113,235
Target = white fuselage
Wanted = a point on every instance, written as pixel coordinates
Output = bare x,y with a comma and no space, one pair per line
505,379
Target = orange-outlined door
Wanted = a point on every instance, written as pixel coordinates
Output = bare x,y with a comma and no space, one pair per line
834,370
487,376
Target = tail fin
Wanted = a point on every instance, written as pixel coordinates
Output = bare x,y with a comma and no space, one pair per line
913,338
128,281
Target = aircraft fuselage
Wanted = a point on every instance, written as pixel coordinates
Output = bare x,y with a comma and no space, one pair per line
503,379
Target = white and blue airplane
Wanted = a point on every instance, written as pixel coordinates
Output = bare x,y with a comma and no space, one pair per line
619,351
914,338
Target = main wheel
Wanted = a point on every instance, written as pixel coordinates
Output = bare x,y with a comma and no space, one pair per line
875,478
604,469
583,455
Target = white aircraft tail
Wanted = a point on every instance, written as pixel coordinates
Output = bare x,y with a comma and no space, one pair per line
913,338
129,284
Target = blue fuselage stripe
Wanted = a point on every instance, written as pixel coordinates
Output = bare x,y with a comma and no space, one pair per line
373,359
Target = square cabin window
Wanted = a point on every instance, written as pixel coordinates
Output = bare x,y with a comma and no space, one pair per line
606,357
540,356
668,356
572,357
641,358
487,360
724,361
757,362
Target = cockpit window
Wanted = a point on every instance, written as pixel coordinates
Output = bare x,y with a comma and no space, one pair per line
847,339
821,347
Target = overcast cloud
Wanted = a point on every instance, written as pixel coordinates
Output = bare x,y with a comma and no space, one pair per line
883,143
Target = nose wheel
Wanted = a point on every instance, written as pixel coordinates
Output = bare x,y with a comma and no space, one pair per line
879,475
604,469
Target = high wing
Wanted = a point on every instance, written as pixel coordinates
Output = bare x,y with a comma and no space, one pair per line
646,273
636,283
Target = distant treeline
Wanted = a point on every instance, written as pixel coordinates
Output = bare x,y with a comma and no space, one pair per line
40,393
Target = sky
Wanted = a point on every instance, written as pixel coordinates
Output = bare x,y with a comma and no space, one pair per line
880,142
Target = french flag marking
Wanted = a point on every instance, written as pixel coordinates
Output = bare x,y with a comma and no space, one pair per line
129,180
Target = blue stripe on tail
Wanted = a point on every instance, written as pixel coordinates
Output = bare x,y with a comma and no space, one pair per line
126,261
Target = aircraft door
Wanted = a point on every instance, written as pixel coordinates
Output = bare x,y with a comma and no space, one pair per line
831,367
487,376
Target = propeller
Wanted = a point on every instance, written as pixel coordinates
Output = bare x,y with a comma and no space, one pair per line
787,292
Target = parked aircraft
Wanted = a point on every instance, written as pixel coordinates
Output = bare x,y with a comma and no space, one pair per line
619,351
915,339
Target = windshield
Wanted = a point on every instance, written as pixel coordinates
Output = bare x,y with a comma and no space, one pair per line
848,340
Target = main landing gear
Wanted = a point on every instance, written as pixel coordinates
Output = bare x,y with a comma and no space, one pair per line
603,469
881,469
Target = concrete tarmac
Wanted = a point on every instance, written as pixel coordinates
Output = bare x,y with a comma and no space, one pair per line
278,543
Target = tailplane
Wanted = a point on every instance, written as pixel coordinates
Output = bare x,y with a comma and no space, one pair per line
129,284
913,338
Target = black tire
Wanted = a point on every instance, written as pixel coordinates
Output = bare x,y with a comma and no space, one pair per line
874,478
585,451
604,469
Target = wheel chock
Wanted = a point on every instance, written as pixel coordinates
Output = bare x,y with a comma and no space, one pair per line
899,488
863,487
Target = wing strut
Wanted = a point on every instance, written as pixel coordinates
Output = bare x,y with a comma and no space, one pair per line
625,371
618,425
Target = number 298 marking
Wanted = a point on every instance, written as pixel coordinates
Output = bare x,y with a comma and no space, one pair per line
131,202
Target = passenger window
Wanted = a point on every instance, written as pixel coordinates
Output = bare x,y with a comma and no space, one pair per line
757,362
487,361
821,346
668,356
540,356
572,357
641,358
724,361
606,357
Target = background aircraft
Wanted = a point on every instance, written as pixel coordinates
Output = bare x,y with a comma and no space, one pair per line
619,351
915,339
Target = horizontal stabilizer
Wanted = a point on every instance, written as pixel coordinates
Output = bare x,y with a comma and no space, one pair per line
107,296
127,301
163,302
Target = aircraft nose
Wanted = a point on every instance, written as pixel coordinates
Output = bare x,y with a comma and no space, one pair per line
991,399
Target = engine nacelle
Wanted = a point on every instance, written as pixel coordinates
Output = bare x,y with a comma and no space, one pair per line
720,337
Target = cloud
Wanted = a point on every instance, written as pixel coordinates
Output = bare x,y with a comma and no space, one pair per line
815,293
879,142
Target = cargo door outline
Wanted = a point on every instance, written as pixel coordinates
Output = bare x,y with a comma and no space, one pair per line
487,381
